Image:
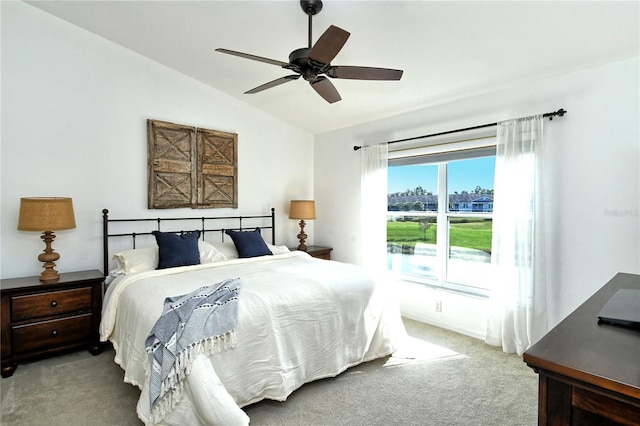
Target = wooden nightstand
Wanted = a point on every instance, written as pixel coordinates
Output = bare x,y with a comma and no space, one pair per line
319,252
42,319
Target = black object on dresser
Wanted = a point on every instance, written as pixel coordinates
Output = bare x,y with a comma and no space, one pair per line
42,319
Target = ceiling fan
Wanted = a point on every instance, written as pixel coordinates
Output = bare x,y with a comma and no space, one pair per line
313,61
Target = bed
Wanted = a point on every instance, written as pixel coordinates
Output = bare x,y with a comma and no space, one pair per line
298,319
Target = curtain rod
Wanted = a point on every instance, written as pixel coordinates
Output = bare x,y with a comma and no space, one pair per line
561,112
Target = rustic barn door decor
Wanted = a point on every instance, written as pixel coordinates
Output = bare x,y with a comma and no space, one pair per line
191,167
171,165
217,169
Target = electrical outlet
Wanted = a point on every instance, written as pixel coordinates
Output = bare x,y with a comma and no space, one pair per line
438,306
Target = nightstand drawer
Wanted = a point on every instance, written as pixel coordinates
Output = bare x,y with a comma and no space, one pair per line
47,304
43,334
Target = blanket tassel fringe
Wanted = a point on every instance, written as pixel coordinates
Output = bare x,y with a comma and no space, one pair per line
172,387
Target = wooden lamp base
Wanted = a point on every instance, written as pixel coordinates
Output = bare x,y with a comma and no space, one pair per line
49,257
302,237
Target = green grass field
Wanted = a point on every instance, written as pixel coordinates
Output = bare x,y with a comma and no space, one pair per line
470,233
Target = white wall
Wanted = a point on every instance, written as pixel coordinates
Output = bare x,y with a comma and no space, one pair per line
74,111
592,183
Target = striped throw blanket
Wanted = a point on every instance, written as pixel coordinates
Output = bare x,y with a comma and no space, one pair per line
202,321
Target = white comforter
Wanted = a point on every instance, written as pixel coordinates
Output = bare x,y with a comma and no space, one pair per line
300,319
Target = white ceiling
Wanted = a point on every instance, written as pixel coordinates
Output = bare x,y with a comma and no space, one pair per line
447,50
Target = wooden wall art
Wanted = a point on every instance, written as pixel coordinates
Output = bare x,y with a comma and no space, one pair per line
191,167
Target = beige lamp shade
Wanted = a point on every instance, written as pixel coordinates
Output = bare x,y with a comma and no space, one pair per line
302,209
46,214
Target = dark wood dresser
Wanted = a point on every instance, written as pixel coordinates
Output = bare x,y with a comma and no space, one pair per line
589,374
42,319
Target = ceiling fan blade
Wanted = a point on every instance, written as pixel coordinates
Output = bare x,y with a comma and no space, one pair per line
328,45
325,88
273,83
253,57
364,73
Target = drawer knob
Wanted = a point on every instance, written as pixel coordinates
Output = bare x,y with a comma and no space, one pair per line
54,304
54,333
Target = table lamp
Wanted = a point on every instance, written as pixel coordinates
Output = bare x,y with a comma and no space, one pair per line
46,215
303,210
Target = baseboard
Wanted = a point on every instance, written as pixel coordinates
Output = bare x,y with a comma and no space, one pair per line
445,325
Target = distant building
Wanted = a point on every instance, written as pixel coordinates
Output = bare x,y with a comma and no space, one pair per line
472,203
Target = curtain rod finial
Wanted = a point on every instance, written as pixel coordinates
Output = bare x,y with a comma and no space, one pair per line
561,112
355,147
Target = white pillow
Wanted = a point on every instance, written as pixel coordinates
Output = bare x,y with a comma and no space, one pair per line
138,260
146,259
209,254
228,250
278,249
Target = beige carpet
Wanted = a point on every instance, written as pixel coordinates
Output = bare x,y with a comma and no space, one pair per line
440,378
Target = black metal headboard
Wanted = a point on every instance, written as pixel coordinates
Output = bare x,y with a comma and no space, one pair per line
254,221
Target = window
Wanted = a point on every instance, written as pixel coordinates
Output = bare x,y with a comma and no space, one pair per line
439,216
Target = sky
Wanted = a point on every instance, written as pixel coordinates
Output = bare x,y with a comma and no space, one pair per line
464,175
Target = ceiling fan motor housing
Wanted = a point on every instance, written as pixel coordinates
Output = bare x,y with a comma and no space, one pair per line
305,66
300,57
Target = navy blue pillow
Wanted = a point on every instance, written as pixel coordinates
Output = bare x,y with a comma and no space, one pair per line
249,243
177,250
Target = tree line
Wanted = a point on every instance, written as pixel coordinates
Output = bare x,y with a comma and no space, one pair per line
419,190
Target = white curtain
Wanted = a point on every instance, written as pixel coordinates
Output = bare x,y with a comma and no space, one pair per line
517,310
373,167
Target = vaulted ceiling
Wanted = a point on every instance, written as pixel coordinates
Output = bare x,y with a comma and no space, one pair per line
447,50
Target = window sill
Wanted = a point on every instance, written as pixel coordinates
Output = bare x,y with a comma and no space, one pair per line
446,286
